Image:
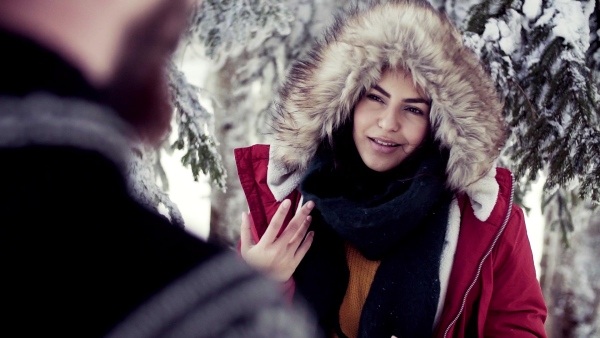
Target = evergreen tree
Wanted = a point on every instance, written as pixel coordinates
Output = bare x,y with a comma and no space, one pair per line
194,127
144,169
537,55
195,130
252,44
544,57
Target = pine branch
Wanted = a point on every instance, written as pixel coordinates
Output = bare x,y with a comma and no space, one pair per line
142,183
562,202
481,13
194,123
551,101
592,56
231,26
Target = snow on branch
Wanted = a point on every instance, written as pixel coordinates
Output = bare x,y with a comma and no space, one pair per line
195,126
230,26
537,55
142,173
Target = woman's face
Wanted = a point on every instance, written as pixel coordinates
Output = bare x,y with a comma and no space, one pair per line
390,121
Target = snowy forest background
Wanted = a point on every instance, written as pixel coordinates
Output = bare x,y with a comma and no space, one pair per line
543,54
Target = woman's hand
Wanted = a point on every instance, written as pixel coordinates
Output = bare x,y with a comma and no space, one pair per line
279,256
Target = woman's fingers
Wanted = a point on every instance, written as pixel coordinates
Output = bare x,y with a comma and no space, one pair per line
303,248
278,257
300,232
276,222
246,234
299,224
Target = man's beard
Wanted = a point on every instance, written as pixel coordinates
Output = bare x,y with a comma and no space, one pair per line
141,98
139,89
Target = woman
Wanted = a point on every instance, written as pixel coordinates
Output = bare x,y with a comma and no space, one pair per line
391,129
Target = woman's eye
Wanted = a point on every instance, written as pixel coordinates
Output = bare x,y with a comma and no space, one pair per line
374,98
415,110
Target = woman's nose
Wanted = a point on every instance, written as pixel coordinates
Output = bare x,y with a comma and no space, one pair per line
388,120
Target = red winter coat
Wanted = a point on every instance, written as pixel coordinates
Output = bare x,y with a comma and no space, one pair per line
492,285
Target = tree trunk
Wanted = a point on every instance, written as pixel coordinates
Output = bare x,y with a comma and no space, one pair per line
235,126
228,122
571,280
242,96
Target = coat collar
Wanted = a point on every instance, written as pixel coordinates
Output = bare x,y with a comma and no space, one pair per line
483,193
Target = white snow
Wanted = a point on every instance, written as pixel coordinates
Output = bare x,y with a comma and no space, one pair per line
507,43
535,223
532,8
508,37
492,31
546,16
191,197
571,22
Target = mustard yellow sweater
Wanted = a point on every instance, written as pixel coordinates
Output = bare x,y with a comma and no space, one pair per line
362,272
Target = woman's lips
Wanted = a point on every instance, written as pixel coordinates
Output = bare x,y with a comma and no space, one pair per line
383,146
384,142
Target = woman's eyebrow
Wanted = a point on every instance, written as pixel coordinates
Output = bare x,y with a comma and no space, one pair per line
411,100
379,89
418,100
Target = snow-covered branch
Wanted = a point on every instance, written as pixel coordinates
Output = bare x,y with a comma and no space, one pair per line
195,130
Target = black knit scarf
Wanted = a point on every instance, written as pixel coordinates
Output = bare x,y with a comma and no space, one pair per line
398,217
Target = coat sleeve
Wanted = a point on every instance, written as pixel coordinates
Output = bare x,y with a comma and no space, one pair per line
517,307
252,165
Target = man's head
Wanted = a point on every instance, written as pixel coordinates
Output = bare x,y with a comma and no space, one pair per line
138,88
119,45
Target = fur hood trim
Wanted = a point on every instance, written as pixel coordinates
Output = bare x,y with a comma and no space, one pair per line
321,90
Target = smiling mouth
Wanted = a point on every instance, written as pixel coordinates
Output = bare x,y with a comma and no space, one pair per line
382,143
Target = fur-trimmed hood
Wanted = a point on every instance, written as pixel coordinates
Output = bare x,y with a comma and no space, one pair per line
321,90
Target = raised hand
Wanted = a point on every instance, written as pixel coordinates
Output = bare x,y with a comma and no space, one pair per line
279,256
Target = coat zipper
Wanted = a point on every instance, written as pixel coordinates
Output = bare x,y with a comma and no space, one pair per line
462,306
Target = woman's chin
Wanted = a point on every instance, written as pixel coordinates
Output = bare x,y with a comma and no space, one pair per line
381,166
